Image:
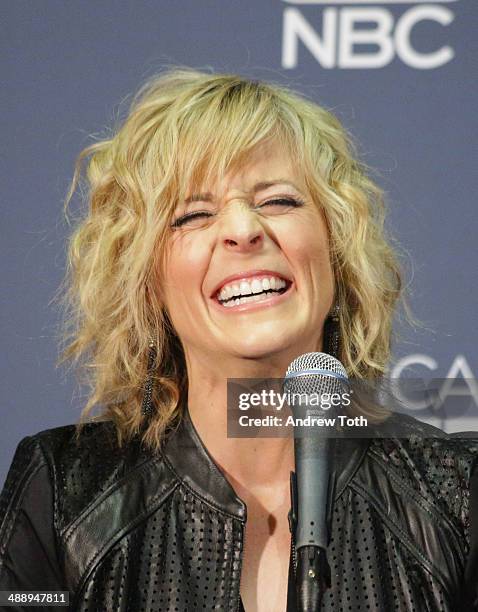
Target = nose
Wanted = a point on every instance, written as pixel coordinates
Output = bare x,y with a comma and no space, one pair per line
241,230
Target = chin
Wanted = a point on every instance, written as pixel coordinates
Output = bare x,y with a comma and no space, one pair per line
262,348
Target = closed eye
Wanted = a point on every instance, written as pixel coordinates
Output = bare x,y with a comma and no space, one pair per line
204,214
294,202
197,214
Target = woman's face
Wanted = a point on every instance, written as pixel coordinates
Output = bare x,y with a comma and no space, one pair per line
248,272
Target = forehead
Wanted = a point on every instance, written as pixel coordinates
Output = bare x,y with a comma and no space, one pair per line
266,164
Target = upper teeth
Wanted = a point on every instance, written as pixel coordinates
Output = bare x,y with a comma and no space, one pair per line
256,285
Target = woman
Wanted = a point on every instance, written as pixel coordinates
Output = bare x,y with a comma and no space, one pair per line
230,229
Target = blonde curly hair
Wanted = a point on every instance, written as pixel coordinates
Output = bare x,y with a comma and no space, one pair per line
185,127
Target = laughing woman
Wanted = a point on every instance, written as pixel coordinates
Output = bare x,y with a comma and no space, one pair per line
228,227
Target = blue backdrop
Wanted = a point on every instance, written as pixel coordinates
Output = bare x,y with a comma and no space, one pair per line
400,75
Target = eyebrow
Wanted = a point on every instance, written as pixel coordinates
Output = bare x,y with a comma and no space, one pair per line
199,197
261,186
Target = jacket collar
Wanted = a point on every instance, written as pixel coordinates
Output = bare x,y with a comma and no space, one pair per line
189,459
187,456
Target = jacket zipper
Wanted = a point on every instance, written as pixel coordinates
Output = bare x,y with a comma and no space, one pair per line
241,555
293,520
294,555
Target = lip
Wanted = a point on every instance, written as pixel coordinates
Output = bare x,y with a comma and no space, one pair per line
244,276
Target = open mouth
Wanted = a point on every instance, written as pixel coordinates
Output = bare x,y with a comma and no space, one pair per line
251,291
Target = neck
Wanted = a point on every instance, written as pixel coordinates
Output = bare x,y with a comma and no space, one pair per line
249,463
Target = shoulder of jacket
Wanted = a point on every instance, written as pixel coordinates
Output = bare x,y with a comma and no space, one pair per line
437,465
58,442
85,466
424,444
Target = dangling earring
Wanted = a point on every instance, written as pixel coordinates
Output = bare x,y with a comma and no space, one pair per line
332,333
147,406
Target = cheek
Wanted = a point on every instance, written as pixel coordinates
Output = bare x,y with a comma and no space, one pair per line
185,268
308,247
309,242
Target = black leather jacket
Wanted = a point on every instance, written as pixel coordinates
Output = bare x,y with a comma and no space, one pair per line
126,529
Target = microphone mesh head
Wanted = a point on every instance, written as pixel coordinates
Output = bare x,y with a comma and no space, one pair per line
315,373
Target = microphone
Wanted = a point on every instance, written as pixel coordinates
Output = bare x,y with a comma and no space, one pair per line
309,377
